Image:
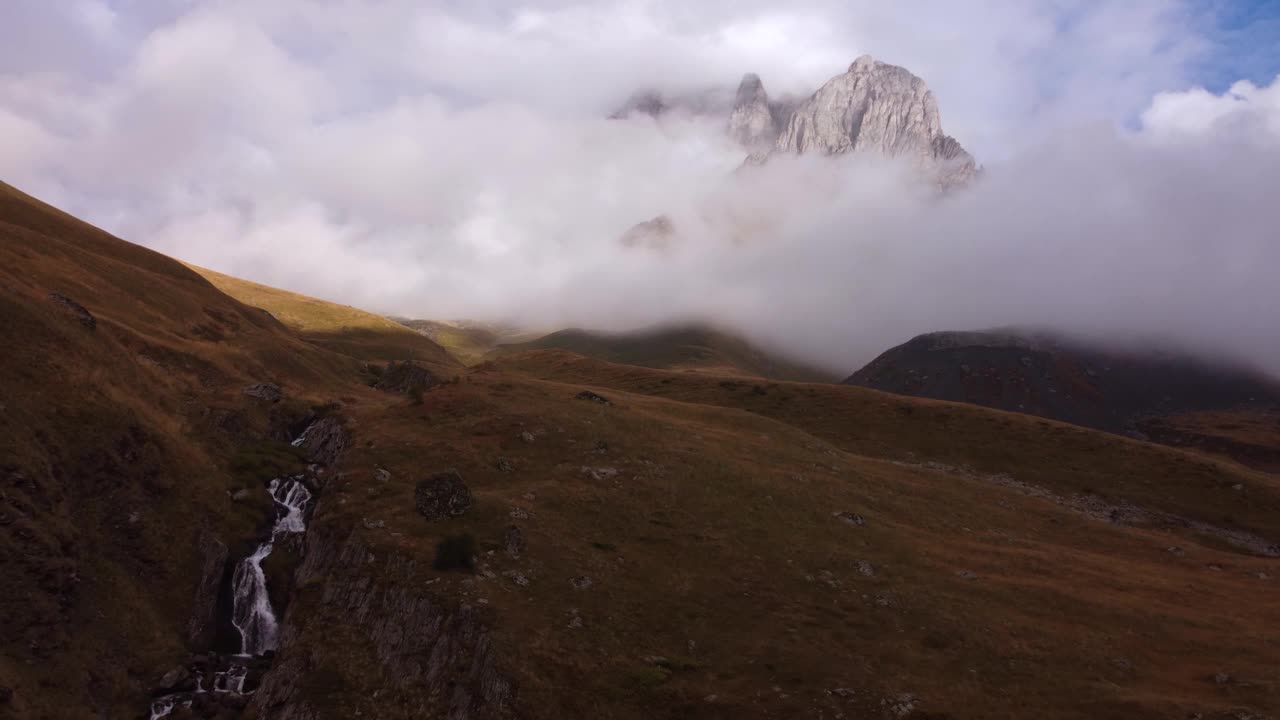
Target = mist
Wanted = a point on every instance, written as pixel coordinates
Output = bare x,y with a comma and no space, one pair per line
1126,207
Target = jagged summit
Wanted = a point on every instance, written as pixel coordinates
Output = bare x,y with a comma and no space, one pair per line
751,122
880,107
873,106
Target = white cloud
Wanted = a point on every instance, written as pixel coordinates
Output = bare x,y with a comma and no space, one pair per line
452,160
1244,108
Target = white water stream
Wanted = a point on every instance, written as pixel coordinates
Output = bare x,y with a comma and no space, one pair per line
251,613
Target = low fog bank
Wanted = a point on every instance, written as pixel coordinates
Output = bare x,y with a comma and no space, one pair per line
450,161
1122,236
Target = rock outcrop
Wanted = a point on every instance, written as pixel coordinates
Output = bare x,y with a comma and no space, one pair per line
881,108
751,123
74,309
426,658
324,440
653,234
442,496
203,625
406,378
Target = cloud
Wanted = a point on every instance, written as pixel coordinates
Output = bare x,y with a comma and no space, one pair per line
453,160
1243,109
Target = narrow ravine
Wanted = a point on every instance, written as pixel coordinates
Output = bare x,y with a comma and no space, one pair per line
230,678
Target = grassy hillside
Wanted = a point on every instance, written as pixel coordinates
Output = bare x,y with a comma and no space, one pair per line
685,347
469,342
700,546
121,428
723,585
340,328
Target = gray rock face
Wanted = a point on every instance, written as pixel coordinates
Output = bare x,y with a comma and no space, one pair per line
881,108
430,657
325,441
751,123
203,623
654,234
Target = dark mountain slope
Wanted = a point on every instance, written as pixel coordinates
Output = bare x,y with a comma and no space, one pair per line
1055,377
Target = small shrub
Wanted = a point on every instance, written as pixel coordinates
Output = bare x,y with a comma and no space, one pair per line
455,553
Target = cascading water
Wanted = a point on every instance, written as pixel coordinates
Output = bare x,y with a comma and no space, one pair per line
252,614
251,611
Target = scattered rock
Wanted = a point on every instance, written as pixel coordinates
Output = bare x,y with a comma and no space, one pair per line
1175,550
442,496
176,680
1221,678
504,465
884,600
381,475
844,693
517,577
582,582
75,309
526,436
866,568
268,392
600,473
513,542
593,397
966,575
601,448
239,495
373,524
575,620
902,705
851,518
519,513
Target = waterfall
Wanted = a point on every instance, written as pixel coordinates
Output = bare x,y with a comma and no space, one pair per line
226,676
252,614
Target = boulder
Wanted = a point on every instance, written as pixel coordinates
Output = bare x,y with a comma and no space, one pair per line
406,378
268,392
442,496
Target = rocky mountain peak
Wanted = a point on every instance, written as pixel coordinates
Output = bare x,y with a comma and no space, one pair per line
865,63
751,122
878,107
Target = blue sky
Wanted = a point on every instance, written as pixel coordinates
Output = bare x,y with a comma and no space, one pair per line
1247,44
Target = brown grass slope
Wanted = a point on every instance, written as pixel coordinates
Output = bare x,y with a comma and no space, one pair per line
116,447
722,586
1066,458
337,327
680,347
701,508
